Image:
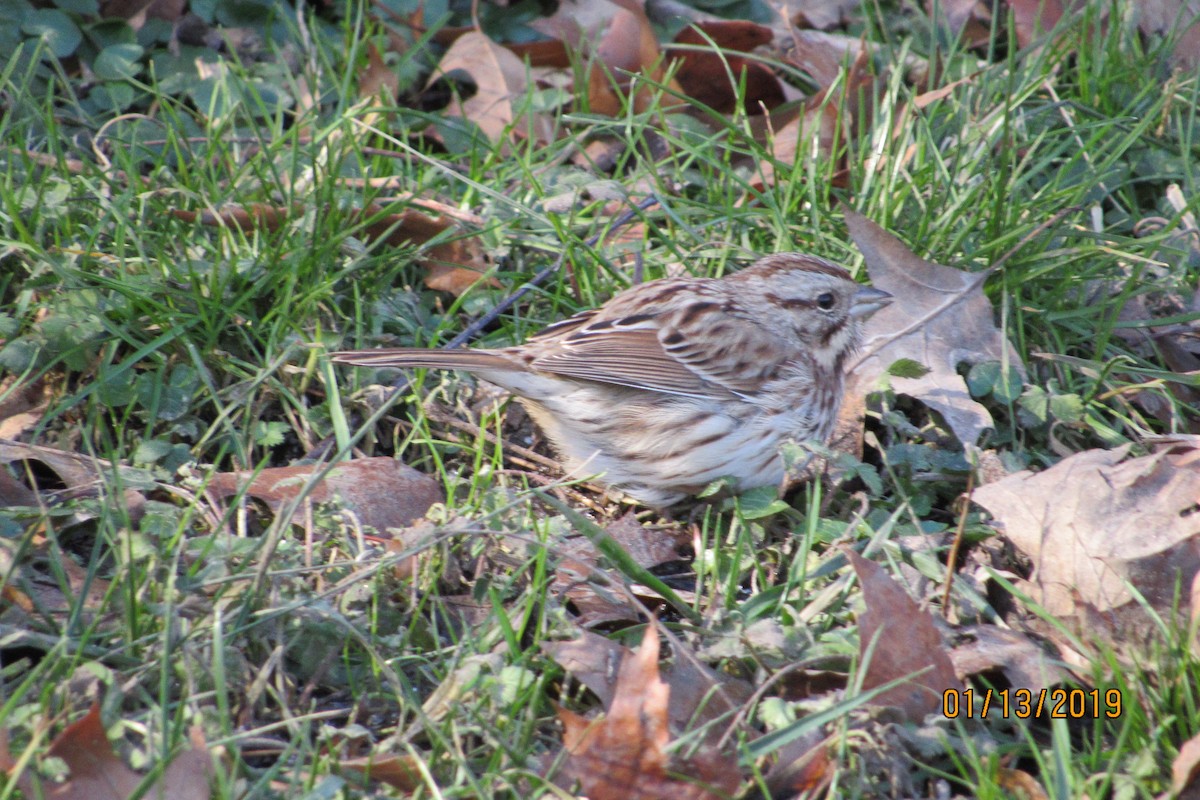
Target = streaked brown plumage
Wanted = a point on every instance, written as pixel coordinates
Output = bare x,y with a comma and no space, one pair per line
675,383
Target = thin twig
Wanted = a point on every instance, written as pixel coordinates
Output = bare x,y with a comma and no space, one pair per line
952,558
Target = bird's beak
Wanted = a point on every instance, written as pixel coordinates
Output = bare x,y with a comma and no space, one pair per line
868,300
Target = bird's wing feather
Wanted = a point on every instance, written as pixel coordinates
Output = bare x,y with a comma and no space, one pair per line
632,358
645,352
734,352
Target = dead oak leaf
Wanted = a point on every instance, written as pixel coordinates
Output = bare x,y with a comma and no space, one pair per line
1098,525
940,318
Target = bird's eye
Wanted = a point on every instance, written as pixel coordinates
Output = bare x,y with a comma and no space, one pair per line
825,301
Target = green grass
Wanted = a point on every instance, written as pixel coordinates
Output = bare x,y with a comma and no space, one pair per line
180,350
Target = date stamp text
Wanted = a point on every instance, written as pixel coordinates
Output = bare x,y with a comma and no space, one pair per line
1027,703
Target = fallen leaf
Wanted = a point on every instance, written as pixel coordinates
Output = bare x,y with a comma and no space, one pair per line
969,19
97,773
80,475
623,756
804,769
378,87
629,49
713,77
1098,525
698,693
820,14
500,82
399,771
827,120
1185,771
251,216
21,406
1020,784
1019,658
378,80
903,640
620,45
594,604
1033,19
940,318
382,492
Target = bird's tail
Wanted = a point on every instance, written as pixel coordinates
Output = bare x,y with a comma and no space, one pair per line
405,357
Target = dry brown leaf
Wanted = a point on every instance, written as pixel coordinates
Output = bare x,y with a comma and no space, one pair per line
713,77
629,48
377,87
577,23
454,266
21,405
940,318
1156,19
79,474
400,771
1023,662
1020,784
1185,772
1033,19
904,641
96,773
378,79
698,694
623,757
594,605
970,19
500,81
826,120
1098,522
622,45
804,768
382,492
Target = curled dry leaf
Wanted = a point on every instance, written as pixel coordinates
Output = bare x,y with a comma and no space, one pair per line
940,318
80,475
1099,525
970,19
21,404
905,641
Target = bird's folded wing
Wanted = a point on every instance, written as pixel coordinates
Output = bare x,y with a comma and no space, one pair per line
639,358
632,358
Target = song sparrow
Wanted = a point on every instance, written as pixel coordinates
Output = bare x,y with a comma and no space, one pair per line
675,383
